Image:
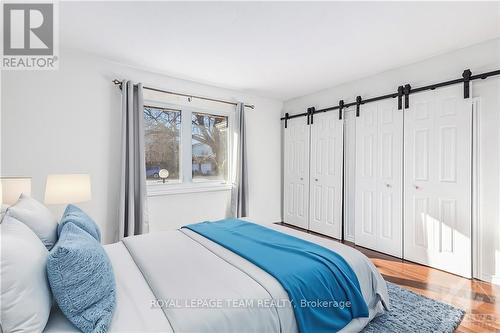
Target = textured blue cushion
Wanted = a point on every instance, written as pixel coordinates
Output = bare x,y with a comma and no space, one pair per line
82,281
78,217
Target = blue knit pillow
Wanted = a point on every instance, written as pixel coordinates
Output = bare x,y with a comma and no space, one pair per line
82,281
77,216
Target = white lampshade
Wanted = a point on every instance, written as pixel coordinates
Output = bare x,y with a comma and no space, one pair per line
12,187
67,188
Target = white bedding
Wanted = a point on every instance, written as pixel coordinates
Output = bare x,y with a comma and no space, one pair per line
133,296
181,267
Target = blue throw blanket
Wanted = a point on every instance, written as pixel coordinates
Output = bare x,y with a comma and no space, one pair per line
319,282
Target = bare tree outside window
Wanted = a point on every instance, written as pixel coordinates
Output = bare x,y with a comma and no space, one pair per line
209,146
162,129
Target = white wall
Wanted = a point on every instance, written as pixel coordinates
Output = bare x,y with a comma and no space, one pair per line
480,58
68,121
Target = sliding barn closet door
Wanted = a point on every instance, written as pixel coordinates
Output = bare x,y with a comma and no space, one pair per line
327,134
379,164
296,173
437,197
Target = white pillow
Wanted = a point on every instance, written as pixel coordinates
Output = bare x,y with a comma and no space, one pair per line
37,217
24,293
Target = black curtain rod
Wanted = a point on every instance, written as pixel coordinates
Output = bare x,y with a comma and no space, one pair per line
250,106
466,78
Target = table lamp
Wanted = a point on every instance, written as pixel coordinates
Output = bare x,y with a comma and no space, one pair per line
67,188
12,187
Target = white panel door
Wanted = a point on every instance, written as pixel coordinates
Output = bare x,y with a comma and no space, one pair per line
296,173
326,174
438,141
379,164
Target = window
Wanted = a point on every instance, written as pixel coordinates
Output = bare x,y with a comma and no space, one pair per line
192,145
162,130
209,146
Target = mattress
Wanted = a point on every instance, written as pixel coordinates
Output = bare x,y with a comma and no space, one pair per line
179,281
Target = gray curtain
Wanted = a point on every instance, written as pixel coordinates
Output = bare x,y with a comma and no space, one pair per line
133,211
239,195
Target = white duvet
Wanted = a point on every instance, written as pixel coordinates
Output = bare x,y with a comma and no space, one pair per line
179,281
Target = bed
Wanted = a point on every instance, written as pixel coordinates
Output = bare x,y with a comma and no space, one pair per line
165,280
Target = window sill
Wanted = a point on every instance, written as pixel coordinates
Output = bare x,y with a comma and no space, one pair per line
154,190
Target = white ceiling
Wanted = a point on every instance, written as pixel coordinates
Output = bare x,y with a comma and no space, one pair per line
279,49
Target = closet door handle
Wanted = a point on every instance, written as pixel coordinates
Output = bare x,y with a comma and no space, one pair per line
416,187
315,179
301,178
388,185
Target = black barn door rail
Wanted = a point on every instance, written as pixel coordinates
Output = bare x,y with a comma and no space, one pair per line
402,92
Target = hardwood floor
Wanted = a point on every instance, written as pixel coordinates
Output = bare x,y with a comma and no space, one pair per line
480,300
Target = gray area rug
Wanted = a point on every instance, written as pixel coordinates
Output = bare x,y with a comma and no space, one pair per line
414,313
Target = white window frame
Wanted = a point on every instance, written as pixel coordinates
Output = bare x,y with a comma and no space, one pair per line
186,183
